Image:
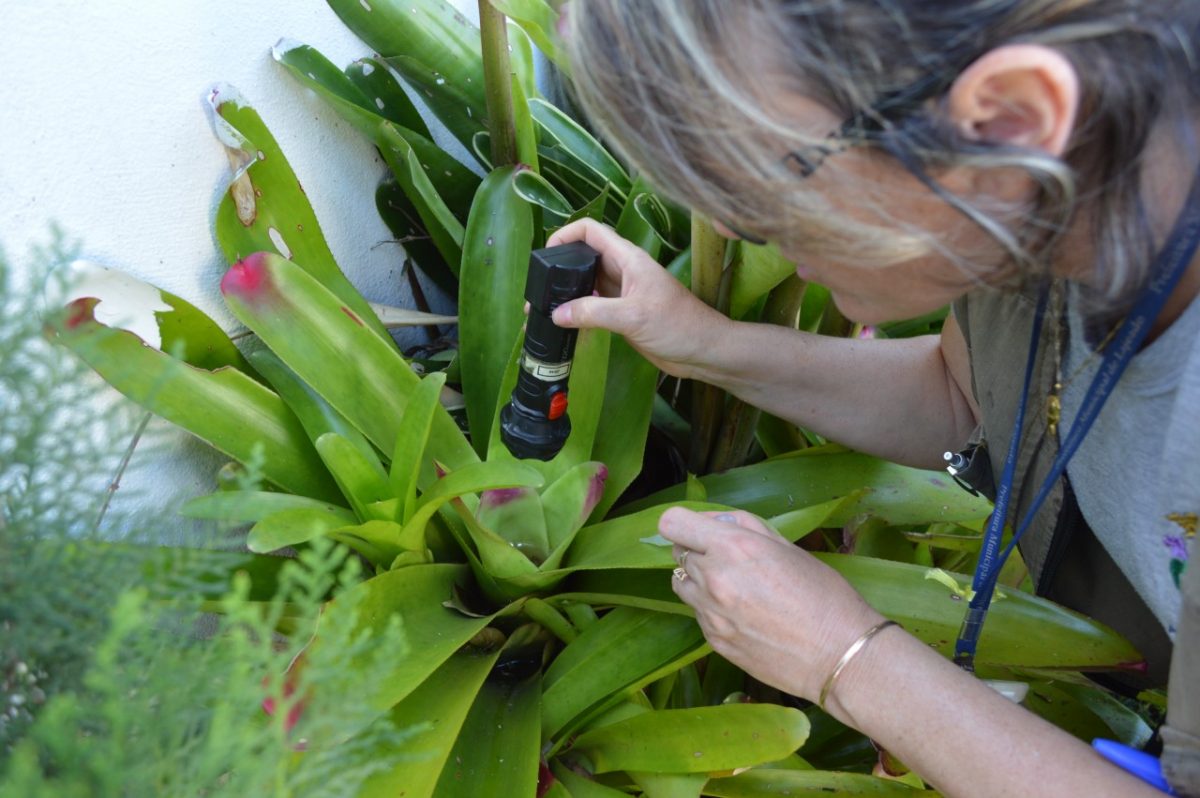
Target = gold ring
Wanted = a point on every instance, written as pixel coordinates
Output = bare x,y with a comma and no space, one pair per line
680,574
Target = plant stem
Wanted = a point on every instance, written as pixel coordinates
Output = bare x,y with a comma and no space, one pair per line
115,483
497,81
708,262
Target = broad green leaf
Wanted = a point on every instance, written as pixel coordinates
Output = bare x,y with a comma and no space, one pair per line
498,744
897,494
631,541
491,294
434,47
536,190
265,208
328,347
568,502
642,588
593,209
372,100
577,182
700,740
579,786
629,389
438,708
380,542
247,506
1087,712
538,19
499,561
410,446
362,480
439,220
560,130
316,415
670,785
225,408
375,80
1022,630
524,85
770,783
758,272
161,319
609,658
400,215
515,514
434,633
292,527
472,478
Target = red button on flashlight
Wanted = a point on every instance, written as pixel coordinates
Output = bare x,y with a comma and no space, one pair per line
558,405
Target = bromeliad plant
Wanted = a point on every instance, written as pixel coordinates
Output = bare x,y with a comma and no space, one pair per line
547,652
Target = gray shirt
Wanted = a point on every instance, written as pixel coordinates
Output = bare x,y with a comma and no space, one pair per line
1137,474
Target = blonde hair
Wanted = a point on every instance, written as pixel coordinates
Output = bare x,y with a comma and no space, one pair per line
687,91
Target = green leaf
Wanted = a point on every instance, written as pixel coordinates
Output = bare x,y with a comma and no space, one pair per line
225,408
328,347
265,208
761,269
491,294
362,480
567,504
631,541
292,527
1087,712
536,190
1022,630
559,129
515,515
593,209
409,450
415,596
498,744
381,542
897,494
439,708
608,659
580,786
316,415
246,506
769,783
540,21
372,100
439,220
475,478
700,740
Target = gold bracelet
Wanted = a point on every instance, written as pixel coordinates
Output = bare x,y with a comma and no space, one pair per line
855,647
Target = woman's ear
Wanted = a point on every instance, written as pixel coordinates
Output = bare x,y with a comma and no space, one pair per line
1024,95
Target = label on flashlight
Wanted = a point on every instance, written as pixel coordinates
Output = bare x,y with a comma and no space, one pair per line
546,372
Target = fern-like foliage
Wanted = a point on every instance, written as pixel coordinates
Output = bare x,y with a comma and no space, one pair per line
130,669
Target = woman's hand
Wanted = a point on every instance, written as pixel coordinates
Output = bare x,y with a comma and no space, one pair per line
640,300
764,604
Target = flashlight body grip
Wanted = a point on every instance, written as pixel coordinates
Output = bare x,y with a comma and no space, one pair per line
534,424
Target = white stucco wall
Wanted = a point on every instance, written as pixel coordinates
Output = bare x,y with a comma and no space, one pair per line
103,130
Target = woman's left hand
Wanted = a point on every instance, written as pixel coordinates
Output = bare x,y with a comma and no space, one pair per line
764,604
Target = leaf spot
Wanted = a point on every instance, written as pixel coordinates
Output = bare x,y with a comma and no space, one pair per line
281,245
379,103
262,156
365,5
368,68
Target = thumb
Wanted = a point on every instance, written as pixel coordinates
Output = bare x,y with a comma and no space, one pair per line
587,312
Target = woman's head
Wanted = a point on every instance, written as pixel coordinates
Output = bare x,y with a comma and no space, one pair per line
960,137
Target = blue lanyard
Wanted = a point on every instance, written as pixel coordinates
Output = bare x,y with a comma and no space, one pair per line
1169,266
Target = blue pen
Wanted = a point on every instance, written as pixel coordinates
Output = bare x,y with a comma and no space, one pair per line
1139,763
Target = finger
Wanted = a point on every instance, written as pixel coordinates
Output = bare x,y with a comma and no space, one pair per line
616,253
595,311
688,529
744,520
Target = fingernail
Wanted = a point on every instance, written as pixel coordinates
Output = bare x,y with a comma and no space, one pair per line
726,517
562,315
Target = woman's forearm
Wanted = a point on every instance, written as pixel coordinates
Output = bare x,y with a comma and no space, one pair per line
898,400
960,735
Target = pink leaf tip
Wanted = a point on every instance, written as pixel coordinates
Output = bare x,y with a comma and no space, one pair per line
247,276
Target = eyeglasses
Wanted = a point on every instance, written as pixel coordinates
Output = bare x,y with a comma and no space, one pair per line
872,125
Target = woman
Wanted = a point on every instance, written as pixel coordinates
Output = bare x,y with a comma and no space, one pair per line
1021,159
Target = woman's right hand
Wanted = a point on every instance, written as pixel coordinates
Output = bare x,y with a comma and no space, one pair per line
640,300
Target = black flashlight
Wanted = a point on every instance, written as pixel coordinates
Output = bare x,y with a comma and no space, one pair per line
534,423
